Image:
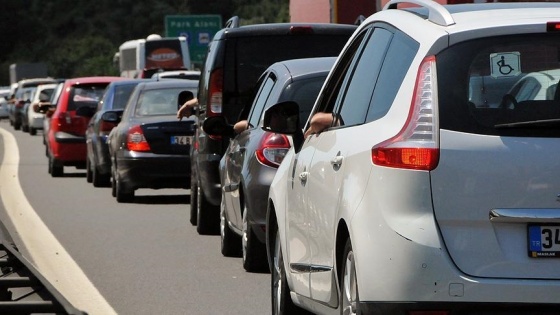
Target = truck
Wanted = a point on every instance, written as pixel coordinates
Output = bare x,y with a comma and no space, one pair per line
20,71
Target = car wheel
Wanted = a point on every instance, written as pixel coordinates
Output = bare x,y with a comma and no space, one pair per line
254,251
17,125
194,205
98,179
282,303
207,216
32,131
113,186
230,241
123,194
89,175
24,128
55,169
348,285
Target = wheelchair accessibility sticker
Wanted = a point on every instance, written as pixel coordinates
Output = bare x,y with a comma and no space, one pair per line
507,64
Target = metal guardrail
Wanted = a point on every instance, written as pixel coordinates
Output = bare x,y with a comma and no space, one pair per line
23,290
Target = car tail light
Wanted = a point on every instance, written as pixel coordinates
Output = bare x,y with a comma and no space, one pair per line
216,86
135,140
553,27
416,145
272,149
301,30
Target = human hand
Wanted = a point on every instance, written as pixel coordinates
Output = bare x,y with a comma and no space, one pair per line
318,123
187,109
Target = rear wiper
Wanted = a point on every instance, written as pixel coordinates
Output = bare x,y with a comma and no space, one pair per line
544,123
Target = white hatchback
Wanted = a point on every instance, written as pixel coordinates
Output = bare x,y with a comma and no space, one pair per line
418,197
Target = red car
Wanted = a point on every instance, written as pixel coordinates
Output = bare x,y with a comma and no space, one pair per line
66,141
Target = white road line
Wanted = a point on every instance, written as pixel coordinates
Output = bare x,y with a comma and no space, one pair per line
47,253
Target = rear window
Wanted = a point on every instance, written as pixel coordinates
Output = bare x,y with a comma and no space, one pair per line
85,95
506,85
158,102
249,57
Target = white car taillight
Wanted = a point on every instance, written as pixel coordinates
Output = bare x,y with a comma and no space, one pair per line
416,145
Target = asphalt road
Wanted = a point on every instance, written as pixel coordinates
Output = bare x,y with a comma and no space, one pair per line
106,257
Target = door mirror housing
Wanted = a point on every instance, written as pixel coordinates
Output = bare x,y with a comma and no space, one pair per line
217,126
283,118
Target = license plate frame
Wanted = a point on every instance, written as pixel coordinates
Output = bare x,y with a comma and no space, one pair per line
181,140
543,240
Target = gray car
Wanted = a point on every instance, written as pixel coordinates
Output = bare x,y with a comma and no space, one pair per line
252,157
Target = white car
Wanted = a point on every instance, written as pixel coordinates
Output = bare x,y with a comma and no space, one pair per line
35,119
4,94
177,74
415,199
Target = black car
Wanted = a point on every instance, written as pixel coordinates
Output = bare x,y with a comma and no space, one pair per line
98,163
236,57
149,147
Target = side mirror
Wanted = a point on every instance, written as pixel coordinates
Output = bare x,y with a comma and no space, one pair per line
112,117
284,118
217,126
86,111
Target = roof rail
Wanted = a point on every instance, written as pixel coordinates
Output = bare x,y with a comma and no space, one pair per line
359,20
436,12
233,22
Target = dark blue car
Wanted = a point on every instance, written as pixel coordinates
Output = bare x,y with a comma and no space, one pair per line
98,163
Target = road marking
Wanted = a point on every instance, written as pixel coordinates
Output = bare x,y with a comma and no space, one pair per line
46,252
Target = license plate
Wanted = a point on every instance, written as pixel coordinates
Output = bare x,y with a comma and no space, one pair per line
181,140
544,241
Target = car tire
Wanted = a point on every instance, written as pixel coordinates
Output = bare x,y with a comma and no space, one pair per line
123,194
54,169
230,241
194,202
207,215
17,125
254,251
24,128
113,186
98,179
349,297
32,131
89,175
282,303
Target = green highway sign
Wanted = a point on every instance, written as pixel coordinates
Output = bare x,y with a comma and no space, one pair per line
198,29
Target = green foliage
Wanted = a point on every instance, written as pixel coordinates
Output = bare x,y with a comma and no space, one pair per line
80,38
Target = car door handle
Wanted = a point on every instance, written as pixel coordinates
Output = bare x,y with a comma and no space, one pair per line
337,161
303,176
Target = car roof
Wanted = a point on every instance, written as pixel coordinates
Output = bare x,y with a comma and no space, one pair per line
168,83
305,66
270,29
89,80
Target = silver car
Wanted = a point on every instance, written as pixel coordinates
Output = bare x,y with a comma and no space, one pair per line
250,162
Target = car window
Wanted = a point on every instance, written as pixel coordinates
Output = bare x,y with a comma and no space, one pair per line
158,102
249,57
496,85
332,91
260,101
85,95
363,77
397,61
